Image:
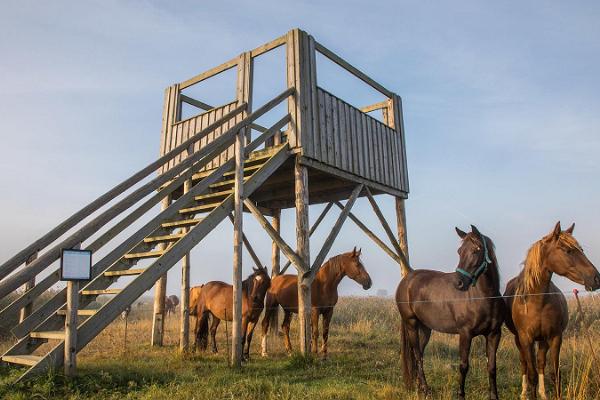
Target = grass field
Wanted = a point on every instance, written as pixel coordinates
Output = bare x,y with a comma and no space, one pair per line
364,363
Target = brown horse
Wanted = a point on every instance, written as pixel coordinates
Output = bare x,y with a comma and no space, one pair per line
538,310
216,299
171,303
324,296
466,302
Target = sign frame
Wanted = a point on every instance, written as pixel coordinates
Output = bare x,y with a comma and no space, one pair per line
89,267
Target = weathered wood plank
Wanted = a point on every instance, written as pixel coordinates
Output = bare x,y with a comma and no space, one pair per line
210,73
353,70
343,139
273,44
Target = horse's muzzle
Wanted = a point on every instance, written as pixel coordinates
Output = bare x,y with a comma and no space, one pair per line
593,283
367,285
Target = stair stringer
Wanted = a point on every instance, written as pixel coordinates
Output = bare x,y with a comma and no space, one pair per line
89,329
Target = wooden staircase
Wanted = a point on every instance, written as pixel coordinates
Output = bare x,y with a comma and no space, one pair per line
148,253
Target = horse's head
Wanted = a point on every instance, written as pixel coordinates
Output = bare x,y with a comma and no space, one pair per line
259,283
355,270
563,255
474,258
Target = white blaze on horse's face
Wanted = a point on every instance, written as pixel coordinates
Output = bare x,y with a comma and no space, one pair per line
258,278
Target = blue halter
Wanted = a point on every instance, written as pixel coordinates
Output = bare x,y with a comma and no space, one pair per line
482,268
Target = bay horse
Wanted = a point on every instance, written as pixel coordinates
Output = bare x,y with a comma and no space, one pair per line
537,309
215,299
466,302
324,296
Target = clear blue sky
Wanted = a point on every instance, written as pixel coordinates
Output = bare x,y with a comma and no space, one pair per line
501,104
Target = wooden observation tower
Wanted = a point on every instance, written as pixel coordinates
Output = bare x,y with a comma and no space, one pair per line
214,166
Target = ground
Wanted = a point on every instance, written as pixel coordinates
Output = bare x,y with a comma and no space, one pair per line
364,363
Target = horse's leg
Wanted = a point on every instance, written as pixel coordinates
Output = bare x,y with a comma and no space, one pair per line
314,317
524,384
213,333
285,326
413,336
424,335
555,344
326,321
492,342
465,340
271,307
528,354
244,336
251,326
541,366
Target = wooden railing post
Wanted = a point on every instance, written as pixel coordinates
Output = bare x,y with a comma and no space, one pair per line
184,332
26,311
160,291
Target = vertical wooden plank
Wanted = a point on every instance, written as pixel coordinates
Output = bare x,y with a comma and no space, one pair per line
330,130
314,97
350,136
388,117
184,328
26,311
322,155
360,143
210,137
291,81
336,132
70,362
384,150
365,146
402,151
371,148
379,156
275,270
343,154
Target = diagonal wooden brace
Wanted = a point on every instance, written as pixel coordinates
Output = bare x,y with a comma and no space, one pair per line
285,248
249,247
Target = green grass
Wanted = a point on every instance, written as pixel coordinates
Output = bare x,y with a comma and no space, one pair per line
364,363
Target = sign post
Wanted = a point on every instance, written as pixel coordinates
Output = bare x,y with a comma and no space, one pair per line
75,266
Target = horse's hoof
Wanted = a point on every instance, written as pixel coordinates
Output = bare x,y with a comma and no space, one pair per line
264,354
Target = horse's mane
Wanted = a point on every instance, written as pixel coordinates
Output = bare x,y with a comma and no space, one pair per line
334,264
531,274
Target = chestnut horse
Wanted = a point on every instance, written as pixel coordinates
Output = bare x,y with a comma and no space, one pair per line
216,299
324,296
537,310
466,302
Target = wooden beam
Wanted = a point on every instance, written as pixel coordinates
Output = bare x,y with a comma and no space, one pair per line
26,311
273,44
303,246
210,73
372,235
184,324
247,245
312,230
353,70
70,356
335,230
160,291
285,248
382,220
377,106
351,177
402,236
275,252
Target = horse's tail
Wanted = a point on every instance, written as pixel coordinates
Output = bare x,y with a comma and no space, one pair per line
409,362
202,331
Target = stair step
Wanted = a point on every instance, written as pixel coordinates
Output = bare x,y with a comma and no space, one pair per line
229,182
164,238
147,254
55,335
213,195
181,223
100,292
22,359
197,209
249,168
125,272
84,312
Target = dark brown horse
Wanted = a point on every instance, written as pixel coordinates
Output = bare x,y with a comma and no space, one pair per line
215,299
324,296
538,310
466,302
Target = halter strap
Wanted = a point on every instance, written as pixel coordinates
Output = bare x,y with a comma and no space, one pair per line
482,267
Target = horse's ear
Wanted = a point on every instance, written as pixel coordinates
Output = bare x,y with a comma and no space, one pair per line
354,252
556,232
460,233
359,251
569,230
475,230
